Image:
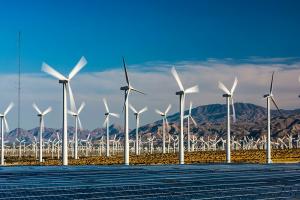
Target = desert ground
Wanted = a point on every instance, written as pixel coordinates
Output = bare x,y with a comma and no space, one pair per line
238,156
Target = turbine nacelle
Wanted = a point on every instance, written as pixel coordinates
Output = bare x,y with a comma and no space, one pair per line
179,93
227,95
125,88
63,81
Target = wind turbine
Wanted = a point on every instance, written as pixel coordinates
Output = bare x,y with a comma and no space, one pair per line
270,97
189,116
75,114
182,94
66,84
20,146
106,122
4,124
42,127
229,100
164,123
137,117
127,89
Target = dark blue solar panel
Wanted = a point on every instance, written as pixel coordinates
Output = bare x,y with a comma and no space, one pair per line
216,181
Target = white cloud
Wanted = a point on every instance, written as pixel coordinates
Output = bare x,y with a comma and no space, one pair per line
155,79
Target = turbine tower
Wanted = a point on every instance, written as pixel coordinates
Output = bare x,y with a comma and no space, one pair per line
106,122
164,124
137,117
66,84
4,124
76,114
127,89
269,98
229,100
188,117
42,128
182,94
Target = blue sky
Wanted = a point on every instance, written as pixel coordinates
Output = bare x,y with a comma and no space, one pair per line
59,32
207,41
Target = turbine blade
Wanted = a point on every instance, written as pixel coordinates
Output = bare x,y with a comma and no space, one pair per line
271,87
47,111
143,110
105,104
190,110
126,98
168,109
71,99
36,108
137,91
105,121
167,123
222,87
115,115
159,112
71,112
42,125
125,70
10,106
273,100
6,125
82,62
49,70
193,120
193,89
233,110
81,107
234,85
174,73
79,123
132,108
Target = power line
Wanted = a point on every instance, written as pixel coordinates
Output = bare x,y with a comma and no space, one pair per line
19,83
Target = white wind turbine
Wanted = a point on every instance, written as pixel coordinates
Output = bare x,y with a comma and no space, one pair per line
127,89
4,124
189,116
182,94
42,128
137,117
270,97
66,84
76,114
164,124
229,100
106,122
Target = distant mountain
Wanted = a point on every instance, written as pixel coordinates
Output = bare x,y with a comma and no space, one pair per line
211,119
251,121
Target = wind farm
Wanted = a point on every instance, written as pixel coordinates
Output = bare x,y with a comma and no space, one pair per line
150,99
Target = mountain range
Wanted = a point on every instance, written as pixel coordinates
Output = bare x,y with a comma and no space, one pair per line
211,121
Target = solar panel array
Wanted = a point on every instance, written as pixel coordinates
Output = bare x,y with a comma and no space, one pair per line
151,182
